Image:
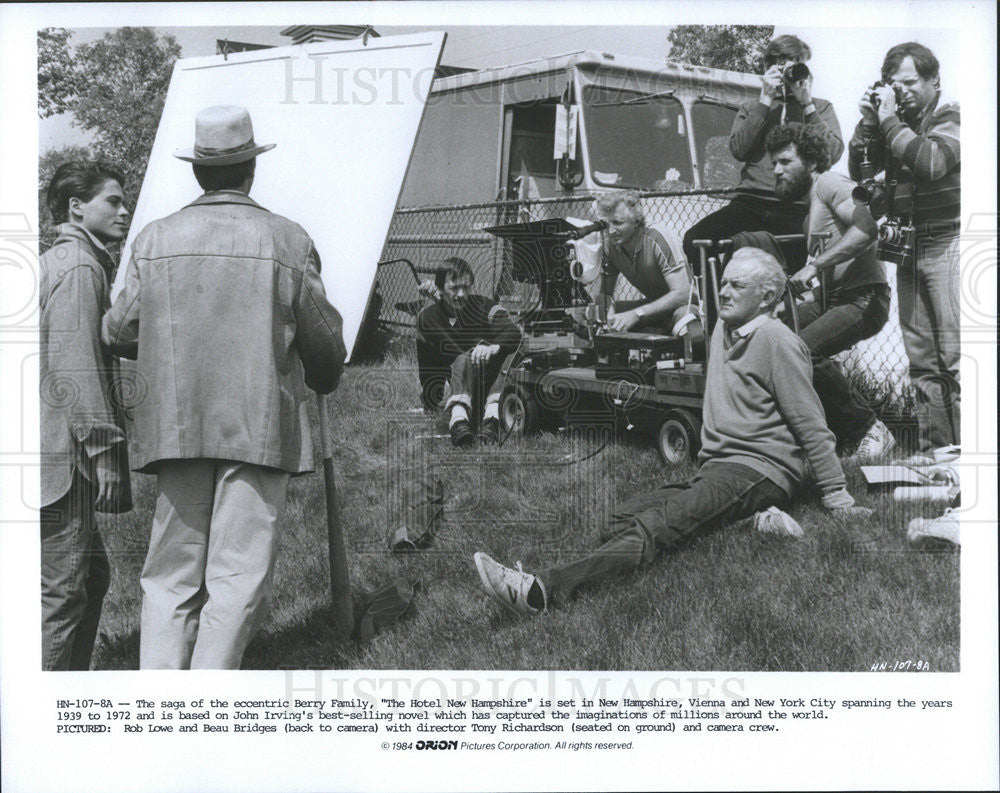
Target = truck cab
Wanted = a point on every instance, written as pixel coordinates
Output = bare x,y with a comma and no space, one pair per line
576,124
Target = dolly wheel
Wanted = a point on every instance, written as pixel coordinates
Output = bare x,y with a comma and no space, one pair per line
679,437
519,412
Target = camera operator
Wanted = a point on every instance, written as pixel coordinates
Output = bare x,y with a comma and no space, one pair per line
645,256
907,131
785,96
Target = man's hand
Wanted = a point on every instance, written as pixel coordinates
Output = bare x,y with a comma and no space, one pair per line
869,115
841,504
109,481
887,102
799,283
802,91
429,289
623,322
481,353
770,85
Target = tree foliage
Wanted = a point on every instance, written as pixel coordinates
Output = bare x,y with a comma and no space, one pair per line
114,88
736,47
56,72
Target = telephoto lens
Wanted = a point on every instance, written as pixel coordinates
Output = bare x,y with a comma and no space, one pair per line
794,72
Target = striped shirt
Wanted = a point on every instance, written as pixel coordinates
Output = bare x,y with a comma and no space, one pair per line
645,261
926,155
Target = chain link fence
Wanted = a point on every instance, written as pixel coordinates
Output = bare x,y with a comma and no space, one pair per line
420,239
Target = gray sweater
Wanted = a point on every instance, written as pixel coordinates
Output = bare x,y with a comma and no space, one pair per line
761,410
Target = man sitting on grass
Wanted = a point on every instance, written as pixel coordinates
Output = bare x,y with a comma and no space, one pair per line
463,339
763,424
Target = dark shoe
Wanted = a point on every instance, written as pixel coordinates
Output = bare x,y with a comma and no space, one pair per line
489,432
461,434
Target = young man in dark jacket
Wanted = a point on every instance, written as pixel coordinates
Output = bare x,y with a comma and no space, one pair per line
462,340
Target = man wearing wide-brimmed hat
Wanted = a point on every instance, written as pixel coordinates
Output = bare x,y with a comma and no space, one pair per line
224,311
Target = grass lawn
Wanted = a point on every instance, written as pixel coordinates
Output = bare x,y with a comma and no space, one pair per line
840,599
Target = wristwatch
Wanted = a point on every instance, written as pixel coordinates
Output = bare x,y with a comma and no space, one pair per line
639,312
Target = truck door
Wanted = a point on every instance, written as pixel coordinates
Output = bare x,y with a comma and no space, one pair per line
531,171
528,169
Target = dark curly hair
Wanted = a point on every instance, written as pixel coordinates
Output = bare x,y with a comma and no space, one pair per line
811,146
77,179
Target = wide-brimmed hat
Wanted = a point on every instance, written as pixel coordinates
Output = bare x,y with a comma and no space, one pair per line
223,135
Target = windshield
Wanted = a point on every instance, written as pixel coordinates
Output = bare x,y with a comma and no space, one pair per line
713,122
636,139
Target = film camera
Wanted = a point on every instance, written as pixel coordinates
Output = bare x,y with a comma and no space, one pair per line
872,97
792,73
870,192
896,238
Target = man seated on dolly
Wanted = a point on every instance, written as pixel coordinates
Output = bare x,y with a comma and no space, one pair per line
648,262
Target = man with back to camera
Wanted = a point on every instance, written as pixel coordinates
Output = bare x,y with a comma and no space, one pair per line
224,311
645,256
755,206
463,340
857,299
763,425
915,139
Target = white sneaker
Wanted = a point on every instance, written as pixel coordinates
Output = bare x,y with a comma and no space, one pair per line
510,587
773,521
878,441
931,533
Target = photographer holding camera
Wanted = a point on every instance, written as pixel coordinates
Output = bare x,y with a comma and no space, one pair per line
909,133
785,96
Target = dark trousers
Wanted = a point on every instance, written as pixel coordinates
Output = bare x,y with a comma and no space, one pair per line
75,576
720,493
477,382
748,213
850,317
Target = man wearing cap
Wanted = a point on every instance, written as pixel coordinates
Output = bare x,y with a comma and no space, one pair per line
224,311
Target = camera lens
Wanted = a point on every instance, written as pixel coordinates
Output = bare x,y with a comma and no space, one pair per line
795,71
890,234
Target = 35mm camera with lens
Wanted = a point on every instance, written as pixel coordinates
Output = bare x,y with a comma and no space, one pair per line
873,98
896,241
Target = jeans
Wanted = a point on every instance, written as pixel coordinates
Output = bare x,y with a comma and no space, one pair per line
206,584
929,318
747,213
75,576
436,368
469,381
851,316
720,493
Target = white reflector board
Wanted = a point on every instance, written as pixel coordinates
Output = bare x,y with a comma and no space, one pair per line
344,116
